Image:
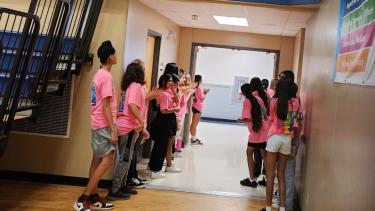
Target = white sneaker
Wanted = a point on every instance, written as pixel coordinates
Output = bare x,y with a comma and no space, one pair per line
173,169
157,175
177,155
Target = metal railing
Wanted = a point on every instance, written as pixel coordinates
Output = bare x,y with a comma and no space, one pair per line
18,37
40,48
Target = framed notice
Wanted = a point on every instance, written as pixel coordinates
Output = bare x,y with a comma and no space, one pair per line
355,48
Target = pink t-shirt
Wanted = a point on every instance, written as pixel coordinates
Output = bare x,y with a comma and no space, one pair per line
256,94
279,126
261,135
126,121
165,99
184,97
102,87
199,99
270,92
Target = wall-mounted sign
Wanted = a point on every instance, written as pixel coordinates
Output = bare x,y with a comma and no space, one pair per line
355,48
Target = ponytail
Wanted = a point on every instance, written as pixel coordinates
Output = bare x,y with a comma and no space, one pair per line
256,112
284,90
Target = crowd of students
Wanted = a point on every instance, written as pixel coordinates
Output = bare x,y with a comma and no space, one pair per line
119,126
274,121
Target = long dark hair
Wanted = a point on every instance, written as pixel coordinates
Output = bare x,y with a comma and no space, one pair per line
284,90
256,111
256,85
289,74
197,79
134,73
163,80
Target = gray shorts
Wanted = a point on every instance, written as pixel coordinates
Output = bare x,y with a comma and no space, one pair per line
101,142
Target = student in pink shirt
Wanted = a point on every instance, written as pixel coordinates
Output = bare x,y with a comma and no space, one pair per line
256,86
131,120
284,110
133,180
164,127
185,91
198,104
258,91
255,114
271,89
103,129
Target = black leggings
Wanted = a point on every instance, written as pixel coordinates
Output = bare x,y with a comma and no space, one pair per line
258,163
163,127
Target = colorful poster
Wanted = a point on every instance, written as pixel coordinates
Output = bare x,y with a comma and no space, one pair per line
355,48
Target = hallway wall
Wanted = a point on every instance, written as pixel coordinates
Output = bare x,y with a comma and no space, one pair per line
299,44
338,168
141,19
190,35
71,156
119,22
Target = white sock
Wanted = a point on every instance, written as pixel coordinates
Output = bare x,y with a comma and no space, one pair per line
193,138
282,209
269,208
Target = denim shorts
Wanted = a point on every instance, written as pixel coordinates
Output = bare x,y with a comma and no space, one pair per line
101,142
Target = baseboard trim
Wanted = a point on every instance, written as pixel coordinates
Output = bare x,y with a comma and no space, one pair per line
50,178
210,119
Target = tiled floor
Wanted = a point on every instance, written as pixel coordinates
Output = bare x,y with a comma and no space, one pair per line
215,167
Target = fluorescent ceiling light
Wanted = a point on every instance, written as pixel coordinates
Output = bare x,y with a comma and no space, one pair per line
234,21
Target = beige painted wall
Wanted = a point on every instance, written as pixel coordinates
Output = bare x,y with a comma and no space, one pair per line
338,168
190,35
298,55
20,5
141,19
72,156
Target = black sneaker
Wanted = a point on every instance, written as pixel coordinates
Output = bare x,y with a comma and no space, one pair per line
196,142
275,194
98,204
143,180
136,184
263,182
129,191
118,196
248,183
263,209
82,204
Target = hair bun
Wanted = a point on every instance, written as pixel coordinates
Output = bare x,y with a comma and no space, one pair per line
105,50
107,43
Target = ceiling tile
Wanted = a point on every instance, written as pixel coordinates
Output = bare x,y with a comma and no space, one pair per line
289,33
300,16
261,20
267,15
154,4
226,10
294,26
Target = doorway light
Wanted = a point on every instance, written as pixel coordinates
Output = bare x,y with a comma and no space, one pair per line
234,21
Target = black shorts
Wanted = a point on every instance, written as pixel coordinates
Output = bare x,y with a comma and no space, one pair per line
195,111
257,145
